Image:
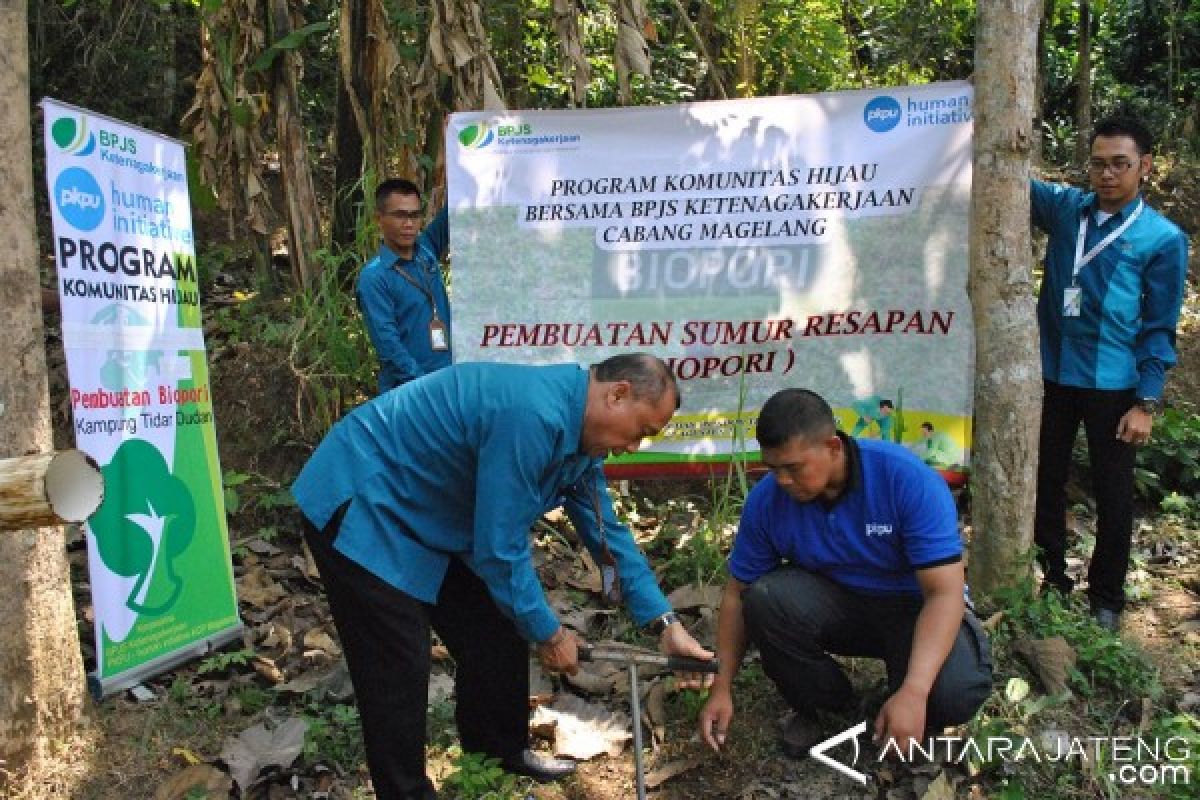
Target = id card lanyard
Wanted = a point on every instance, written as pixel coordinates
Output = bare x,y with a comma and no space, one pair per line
438,338
610,579
1072,296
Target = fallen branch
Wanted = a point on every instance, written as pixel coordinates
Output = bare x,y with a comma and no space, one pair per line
48,489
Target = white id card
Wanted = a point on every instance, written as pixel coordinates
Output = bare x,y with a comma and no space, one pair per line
1072,301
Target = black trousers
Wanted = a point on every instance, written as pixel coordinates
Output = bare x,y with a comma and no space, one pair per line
798,618
1112,461
385,637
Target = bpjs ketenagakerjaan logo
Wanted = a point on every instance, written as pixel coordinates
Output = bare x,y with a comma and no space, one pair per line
72,136
512,135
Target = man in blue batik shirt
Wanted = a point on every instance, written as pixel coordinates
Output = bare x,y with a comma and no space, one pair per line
417,509
400,291
848,547
1107,311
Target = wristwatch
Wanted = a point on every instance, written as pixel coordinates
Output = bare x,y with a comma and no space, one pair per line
657,625
1148,404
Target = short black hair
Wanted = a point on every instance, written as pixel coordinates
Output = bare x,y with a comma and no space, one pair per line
648,375
927,426
794,412
885,403
394,186
1119,125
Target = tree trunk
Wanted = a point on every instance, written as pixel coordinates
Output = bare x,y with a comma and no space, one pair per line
1083,85
348,139
1007,370
304,216
41,672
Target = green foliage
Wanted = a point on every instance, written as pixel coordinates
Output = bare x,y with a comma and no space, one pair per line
1170,462
290,42
477,777
1104,659
331,352
220,662
1183,732
334,735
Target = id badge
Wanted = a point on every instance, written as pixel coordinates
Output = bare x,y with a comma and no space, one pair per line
438,339
1072,301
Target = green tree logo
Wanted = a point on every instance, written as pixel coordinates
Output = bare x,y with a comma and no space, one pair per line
146,521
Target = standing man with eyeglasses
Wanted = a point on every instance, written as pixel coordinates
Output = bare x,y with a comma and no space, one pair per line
417,509
1109,303
400,291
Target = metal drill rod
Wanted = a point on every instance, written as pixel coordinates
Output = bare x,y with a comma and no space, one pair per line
632,658
635,706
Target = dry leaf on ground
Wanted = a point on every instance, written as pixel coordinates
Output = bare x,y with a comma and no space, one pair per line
257,748
584,730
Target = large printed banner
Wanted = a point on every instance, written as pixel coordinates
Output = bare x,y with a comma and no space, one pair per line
813,241
158,548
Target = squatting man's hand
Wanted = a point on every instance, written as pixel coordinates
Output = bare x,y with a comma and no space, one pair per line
715,718
901,719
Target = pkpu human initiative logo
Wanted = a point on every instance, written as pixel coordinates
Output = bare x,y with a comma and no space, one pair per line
79,199
882,114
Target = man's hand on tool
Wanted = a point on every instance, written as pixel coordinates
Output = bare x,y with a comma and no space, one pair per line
560,653
676,641
715,718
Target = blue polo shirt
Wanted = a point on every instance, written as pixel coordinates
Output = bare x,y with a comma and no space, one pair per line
894,516
461,463
1132,291
397,313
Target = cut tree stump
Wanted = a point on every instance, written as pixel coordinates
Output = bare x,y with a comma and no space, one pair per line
48,489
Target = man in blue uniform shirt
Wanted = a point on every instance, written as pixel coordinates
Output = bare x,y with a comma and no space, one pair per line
848,547
1107,311
400,291
418,507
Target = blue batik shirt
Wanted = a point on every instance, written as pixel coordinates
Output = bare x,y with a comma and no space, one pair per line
1132,291
461,463
397,313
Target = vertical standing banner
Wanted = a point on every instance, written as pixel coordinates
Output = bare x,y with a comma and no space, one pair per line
816,241
158,547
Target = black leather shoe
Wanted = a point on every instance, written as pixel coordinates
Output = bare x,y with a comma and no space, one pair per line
541,768
1107,618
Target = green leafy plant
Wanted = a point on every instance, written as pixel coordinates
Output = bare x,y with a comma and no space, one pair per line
1170,462
477,777
334,735
1104,659
220,662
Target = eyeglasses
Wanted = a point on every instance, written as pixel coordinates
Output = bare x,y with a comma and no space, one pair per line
1119,166
412,216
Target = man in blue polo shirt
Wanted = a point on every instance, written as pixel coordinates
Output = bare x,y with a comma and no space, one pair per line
848,547
417,509
400,291
1109,303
